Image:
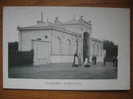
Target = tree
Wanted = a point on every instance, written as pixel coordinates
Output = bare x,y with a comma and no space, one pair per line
111,49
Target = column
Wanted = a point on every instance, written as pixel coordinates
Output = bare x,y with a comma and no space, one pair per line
86,46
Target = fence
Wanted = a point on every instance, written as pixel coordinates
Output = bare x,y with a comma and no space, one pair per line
18,58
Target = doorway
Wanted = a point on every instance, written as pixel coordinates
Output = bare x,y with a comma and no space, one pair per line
41,52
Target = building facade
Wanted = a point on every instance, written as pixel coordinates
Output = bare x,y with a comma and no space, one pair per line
57,42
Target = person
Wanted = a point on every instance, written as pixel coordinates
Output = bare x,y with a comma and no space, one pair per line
86,62
75,61
104,61
94,60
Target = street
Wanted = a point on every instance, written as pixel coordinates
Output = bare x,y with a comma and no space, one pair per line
64,71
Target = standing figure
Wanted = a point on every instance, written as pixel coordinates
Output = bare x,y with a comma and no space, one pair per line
76,57
94,60
75,61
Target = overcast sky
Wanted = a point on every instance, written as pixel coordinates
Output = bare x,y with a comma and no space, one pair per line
107,23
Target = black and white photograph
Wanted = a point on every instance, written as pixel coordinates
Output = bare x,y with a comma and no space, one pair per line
68,48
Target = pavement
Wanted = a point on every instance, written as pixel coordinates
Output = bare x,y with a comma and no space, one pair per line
63,71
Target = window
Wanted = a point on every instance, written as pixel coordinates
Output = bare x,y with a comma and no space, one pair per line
94,49
101,50
39,39
59,45
46,36
97,49
68,47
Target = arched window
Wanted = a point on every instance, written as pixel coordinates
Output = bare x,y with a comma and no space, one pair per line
68,46
93,46
94,49
59,45
97,49
101,47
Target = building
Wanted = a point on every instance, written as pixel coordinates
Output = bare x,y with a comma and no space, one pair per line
57,42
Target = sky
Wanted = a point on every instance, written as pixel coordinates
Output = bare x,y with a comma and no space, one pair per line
107,23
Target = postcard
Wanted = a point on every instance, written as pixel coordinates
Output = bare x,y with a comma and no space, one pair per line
66,48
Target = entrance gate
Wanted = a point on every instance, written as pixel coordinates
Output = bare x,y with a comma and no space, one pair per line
41,52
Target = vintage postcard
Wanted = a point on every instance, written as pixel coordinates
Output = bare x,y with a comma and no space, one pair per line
66,48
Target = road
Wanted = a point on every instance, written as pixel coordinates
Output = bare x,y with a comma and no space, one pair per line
64,71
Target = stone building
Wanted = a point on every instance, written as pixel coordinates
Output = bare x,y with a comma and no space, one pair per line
57,42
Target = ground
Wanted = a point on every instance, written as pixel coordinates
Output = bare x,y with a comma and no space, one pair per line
64,71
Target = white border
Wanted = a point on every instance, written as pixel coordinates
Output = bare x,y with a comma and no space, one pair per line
122,83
